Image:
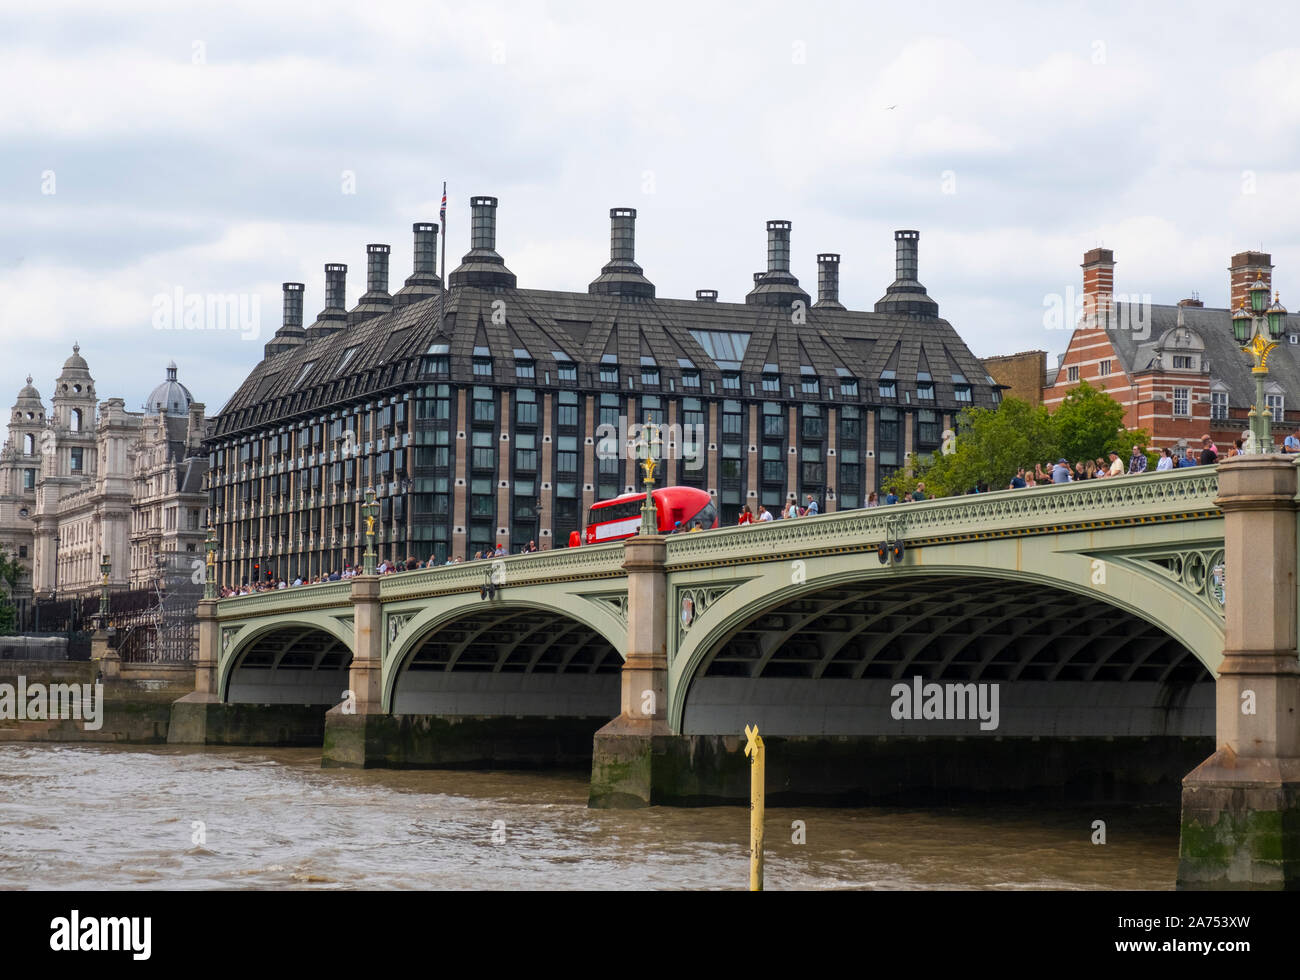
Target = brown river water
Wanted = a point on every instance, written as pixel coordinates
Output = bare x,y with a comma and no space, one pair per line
86,817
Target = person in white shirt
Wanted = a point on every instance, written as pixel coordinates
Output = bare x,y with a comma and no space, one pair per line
1166,461
764,514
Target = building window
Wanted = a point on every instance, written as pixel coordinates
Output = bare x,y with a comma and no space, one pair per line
437,360
525,370
850,426
924,386
730,381
77,458
484,456
482,367
485,406
1072,373
1218,405
609,369
808,381
849,388
772,382
22,551
526,451
690,378
773,464
927,428
566,411
29,445
566,455
888,384
1184,362
649,372
1182,401
961,393
732,420
29,479
608,411
814,426
1103,368
568,371
1276,406
525,406
773,421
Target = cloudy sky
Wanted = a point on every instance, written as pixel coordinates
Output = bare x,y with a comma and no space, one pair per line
222,148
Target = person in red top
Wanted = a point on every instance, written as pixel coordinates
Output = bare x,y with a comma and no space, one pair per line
745,517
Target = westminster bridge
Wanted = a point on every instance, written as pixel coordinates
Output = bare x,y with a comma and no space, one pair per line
1068,639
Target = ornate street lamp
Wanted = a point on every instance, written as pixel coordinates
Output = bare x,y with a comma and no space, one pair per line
649,449
368,511
210,576
1257,331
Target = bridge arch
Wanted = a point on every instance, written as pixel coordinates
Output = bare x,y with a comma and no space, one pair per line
1160,634
286,660
514,656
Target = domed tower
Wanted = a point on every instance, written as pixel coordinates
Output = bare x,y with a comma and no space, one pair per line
26,422
171,396
73,417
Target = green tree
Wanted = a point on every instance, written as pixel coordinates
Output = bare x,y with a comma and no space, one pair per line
10,572
990,445
1090,423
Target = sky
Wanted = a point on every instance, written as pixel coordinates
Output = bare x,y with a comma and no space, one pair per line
156,151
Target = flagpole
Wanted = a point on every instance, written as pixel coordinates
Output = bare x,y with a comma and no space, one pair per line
442,307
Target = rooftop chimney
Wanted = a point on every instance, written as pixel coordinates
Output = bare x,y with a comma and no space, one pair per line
777,286
1195,300
291,333
482,267
1098,287
376,300
423,281
906,294
1245,268
334,317
828,282
706,295
621,276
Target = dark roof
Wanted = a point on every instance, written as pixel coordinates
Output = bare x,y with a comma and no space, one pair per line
1149,332
389,348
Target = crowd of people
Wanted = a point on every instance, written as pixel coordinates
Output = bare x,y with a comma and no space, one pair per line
1045,474
385,567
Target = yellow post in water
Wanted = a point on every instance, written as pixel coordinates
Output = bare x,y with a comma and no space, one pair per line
754,749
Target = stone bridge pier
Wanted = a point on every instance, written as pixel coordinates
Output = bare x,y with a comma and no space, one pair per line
1241,806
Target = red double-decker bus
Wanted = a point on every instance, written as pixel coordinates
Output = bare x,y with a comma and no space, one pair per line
614,520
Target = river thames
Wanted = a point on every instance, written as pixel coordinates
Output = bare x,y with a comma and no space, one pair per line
87,817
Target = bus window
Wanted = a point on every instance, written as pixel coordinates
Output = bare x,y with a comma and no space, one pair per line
707,516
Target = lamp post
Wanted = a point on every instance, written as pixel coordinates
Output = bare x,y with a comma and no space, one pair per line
210,575
1257,331
649,449
105,568
368,510
537,522
54,595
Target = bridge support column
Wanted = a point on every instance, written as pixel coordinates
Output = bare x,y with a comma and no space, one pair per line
347,724
205,667
627,751
1241,806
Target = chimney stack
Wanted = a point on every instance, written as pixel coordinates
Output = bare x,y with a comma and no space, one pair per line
334,317
292,305
376,300
291,333
777,286
482,267
621,276
1245,268
423,282
905,294
828,282
1098,287
706,295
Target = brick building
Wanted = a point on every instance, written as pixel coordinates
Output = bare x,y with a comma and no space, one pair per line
1021,375
1175,367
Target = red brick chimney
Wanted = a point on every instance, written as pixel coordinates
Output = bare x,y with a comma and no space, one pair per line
1246,266
1098,284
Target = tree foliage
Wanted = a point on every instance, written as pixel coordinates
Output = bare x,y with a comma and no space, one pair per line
11,570
992,444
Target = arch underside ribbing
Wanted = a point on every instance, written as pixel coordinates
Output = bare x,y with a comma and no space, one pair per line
510,662
290,665
1065,663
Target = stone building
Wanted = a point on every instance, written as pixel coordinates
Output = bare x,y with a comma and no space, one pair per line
469,409
1176,368
88,478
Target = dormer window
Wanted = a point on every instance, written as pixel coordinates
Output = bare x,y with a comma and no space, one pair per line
1184,362
649,372
482,362
924,386
888,384
609,369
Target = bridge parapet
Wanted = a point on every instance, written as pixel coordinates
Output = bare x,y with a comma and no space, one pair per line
1187,494
558,565
285,600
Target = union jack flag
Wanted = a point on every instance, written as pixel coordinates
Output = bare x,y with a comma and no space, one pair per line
442,213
